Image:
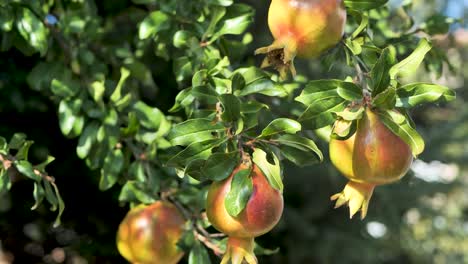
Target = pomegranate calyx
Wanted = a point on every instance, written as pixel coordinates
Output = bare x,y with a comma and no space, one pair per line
238,250
280,56
356,195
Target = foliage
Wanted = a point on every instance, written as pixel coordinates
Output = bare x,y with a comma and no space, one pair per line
161,98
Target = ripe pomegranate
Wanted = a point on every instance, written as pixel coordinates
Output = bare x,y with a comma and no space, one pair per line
305,28
260,215
148,234
373,156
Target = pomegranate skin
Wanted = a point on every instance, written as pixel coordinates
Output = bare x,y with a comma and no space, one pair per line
260,215
148,234
373,155
309,27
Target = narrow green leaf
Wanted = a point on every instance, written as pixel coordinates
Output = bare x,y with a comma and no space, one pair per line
32,30
23,151
350,114
405,132
193,130
64,88
3,146
113,165
363,5
380,77
349,91
61,205
50,196
198,254
415,94
17,140
385,99
70,120
281,125
42,165
25,168
5,183
198,150
152,24
149,117
272,171
240,192
38,194
133,191
117,94
409,65
87,139
301,143
220,165
231,107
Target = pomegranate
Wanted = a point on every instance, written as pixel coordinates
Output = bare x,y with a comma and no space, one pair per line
305,28
373,156
261,213
148,234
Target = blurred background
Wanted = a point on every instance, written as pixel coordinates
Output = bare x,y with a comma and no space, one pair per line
422,219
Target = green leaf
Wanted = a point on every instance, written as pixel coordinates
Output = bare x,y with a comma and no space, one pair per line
240,192
301,143
231,107
198,254
257,81
271,171
193,130
194,169
405,132
380,77
117,94
3,146
349,91
183,99
38,194
32,30
17,141
363,5
347,129
24,150
133,191
322,90
113,165
70,120
198,150
409,65
61,204
5,183
151,118
385,99
321,114
87,139
25,168
415,94
205,94
42,165
350,114
220,165
64,88
281,125
259,250
50,195
235,22
152,24
7,17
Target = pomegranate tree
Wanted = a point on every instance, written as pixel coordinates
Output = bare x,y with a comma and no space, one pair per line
148,234
304,28
261,213
373,156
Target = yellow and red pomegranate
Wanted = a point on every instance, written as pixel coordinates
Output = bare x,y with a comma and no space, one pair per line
373,156
148,234
304,28
261,213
